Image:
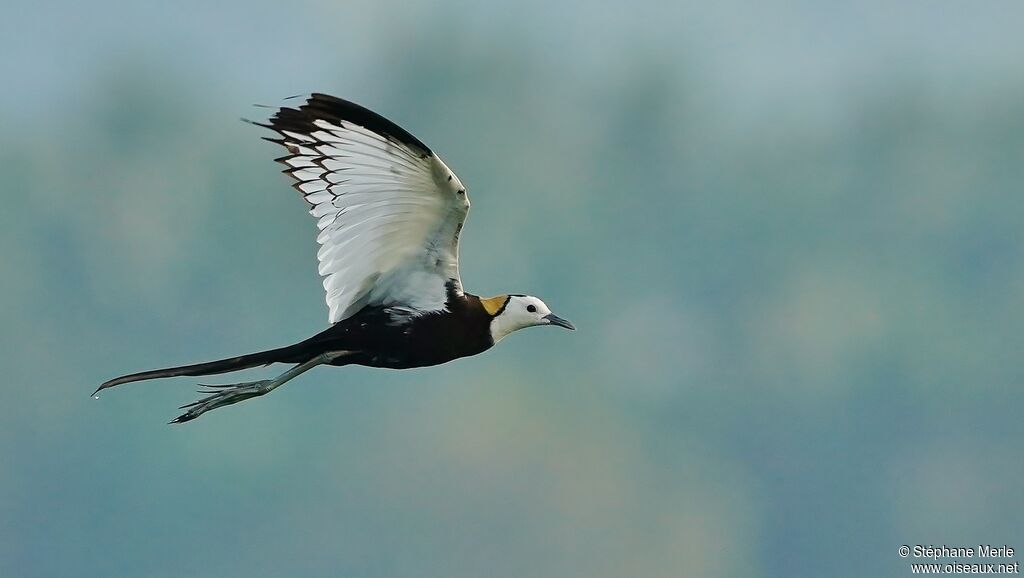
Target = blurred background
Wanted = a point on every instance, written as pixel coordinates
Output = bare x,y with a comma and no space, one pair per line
790,235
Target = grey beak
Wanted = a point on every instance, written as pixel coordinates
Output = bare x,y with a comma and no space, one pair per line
556,320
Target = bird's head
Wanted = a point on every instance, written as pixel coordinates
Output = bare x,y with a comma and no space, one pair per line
513,312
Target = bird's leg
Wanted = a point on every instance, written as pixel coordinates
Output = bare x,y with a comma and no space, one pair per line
230,393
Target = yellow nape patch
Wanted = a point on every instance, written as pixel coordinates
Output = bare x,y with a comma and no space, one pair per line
494,304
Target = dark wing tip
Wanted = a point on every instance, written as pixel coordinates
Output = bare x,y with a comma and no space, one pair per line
321,106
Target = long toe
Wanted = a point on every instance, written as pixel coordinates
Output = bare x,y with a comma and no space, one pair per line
224,395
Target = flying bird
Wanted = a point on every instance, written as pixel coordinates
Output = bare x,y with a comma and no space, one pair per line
389,213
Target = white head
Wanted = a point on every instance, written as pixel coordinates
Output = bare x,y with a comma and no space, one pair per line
513,312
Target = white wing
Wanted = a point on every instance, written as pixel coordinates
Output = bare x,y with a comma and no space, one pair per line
388,209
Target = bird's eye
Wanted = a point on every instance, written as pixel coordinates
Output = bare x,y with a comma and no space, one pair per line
531,308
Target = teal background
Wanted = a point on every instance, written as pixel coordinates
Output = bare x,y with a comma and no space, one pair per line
789,234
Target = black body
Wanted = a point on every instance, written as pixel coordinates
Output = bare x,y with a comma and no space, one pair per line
384,337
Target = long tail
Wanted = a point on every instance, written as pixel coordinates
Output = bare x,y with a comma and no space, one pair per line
290,354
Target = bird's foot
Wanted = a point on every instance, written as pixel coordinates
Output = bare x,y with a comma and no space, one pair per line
221,395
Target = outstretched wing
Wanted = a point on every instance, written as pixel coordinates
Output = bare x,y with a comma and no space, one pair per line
388,209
